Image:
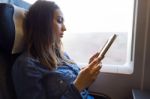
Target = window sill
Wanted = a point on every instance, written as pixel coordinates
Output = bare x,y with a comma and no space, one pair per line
117,69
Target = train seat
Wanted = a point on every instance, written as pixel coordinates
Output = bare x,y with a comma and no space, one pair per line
10,40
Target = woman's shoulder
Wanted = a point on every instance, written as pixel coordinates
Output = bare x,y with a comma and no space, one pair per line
24,58
28,63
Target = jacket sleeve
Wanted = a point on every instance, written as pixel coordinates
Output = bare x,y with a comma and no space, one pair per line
33,81
58,87
27,80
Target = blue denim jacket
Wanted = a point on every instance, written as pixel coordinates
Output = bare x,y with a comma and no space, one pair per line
32,80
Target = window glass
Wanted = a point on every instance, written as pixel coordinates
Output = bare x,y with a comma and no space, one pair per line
89,24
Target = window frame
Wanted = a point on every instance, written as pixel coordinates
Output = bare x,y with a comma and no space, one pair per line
128,67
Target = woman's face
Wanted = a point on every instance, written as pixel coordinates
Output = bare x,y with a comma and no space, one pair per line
58,23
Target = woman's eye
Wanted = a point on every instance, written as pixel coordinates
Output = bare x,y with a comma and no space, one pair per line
60,20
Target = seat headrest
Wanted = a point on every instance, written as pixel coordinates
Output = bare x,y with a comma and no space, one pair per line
11,31
7,28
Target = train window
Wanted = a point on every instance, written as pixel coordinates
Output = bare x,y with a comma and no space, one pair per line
89,23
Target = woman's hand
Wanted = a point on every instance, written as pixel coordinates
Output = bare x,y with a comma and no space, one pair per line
88,74
95,56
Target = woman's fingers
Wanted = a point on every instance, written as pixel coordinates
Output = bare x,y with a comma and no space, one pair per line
96,68
95,62
94,71
93,57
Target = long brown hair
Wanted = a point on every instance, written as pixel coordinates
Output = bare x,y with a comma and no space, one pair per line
42,44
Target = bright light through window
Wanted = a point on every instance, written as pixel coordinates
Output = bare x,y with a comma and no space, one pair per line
89,24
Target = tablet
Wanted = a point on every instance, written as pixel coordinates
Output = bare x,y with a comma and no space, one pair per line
107,45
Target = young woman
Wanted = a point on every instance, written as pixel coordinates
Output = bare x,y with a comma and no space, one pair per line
44,70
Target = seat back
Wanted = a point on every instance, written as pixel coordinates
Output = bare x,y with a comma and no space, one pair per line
8,35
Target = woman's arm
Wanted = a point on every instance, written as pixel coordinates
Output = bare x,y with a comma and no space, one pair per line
58,87
33,81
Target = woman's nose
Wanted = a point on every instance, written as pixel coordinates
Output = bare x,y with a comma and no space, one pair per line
63,27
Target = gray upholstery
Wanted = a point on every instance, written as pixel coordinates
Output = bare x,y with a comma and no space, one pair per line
7,36
7,28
